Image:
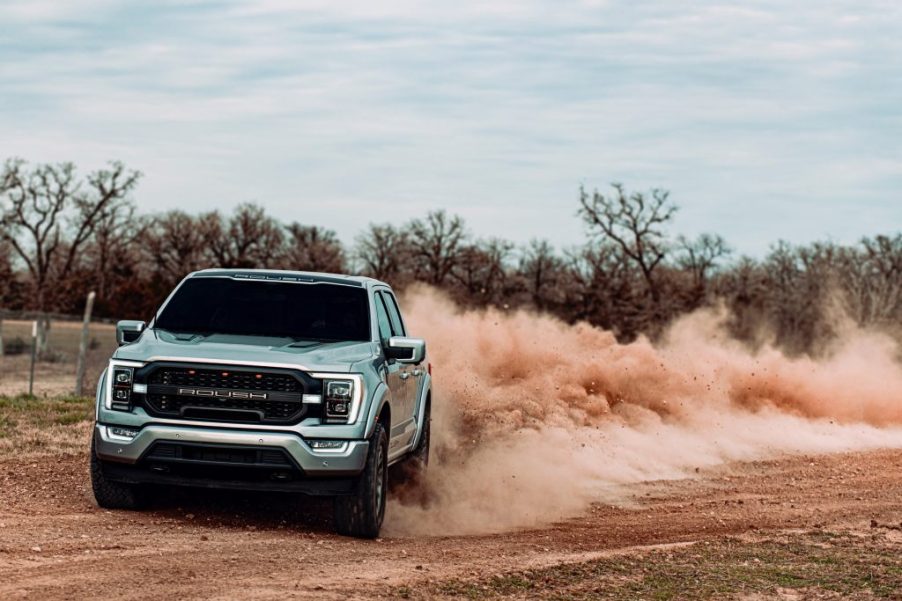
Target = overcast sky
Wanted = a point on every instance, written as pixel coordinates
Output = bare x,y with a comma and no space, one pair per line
766,120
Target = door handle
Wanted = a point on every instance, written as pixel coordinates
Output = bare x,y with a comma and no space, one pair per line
404,375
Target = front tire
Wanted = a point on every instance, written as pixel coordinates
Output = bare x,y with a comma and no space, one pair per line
110,494
360,514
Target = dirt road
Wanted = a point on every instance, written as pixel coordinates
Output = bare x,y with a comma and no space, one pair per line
56,544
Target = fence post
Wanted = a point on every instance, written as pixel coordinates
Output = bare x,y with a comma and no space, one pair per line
34,356
83,345
1,335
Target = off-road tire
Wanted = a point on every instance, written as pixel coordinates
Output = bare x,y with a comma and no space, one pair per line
360,514
412,469
113,495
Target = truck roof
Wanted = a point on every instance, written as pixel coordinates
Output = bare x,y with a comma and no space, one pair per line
285,275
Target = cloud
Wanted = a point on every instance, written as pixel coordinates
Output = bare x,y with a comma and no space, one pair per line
34,12
496,110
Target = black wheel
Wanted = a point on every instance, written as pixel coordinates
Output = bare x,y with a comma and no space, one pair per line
113,495
360,514
413,467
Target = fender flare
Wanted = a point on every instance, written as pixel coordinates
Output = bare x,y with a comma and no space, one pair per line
381,397
425,395
98,396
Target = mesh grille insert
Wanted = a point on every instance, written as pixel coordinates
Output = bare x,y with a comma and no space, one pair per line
224,394
225,379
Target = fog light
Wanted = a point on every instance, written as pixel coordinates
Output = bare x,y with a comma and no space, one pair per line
122,432
327,445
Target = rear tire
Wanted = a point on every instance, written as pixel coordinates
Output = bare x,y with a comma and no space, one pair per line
110,494
360,514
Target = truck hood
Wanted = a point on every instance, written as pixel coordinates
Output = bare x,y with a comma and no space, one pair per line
158,345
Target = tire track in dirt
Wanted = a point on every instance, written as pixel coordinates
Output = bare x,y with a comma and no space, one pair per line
260,547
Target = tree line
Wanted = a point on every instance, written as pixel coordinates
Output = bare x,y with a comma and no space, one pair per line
62,235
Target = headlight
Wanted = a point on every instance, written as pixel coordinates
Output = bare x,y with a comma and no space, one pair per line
119,382
342,396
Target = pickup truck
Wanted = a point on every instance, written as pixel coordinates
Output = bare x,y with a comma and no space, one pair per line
266,380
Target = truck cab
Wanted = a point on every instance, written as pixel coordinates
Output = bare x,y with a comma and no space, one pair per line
266,380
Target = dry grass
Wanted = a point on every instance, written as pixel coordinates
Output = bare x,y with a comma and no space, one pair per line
39,426
810,565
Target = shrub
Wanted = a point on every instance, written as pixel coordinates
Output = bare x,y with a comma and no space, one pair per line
16,346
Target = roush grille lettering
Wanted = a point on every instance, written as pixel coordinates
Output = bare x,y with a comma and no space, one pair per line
223,394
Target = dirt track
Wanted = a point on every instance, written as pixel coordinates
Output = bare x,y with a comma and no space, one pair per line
55,543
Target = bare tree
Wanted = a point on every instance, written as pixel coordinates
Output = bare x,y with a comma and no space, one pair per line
745,288
599,287
542,271
8,278
633,222
8,285
249,239
435,243
47,216
111,253
61,234
313,248
384,252
871,277
176,245
700,256
798,280
481,271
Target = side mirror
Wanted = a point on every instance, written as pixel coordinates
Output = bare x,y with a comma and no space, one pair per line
406,350
128,330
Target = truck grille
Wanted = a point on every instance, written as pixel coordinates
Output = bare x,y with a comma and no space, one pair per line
224,394
225,379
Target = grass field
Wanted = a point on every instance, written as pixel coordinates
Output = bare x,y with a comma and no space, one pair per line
64,335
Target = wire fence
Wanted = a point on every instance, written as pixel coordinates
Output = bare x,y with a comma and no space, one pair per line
53,354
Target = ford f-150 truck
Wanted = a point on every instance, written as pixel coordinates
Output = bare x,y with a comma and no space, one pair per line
266,380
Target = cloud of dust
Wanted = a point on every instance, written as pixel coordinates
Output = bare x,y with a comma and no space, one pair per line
533,419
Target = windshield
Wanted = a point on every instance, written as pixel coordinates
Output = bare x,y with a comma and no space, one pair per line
325,312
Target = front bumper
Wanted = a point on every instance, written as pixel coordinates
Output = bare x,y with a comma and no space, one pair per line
309,462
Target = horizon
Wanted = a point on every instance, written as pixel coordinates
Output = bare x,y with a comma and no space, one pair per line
765,123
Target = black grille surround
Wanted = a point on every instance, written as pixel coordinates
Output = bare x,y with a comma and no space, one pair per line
226,393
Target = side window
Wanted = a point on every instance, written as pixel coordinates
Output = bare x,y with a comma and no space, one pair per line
397,325
382,318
